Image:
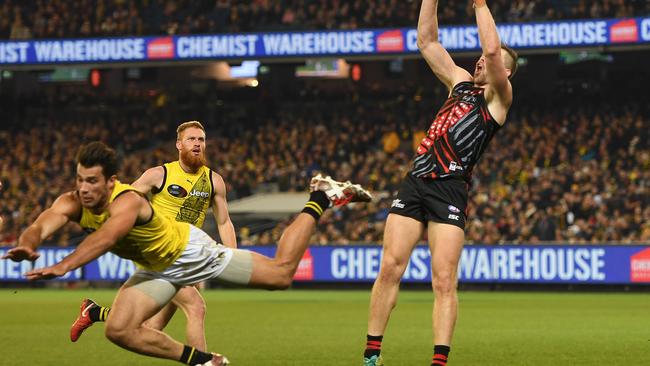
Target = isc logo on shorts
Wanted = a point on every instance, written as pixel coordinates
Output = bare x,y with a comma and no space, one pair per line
453,217
398,203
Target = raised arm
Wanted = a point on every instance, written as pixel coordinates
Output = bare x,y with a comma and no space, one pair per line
123,214
436,56
151,179
64,209
496,72
220,211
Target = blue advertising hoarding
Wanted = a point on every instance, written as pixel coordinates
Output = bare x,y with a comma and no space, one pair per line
593,264
561,34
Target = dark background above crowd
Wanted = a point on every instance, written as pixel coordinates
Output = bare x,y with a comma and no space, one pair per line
94,18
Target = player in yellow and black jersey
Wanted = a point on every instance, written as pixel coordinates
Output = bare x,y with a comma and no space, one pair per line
182,190
170,254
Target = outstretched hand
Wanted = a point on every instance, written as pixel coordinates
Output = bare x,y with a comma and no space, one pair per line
46,273
479,3
18,254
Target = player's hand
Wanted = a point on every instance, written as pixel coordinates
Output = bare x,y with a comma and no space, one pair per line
18,254
46,273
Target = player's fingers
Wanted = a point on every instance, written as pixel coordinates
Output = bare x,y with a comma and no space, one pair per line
33,275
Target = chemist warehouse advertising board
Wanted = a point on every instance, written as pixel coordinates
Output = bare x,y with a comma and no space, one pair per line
593,264
564,34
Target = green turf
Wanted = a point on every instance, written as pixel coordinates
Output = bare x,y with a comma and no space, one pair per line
328,328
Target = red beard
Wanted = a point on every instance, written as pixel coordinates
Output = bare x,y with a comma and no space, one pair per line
193,162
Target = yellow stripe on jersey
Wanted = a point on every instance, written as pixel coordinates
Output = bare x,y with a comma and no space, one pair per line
153,245
183,196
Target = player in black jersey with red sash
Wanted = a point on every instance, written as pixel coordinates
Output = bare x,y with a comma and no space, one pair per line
433,196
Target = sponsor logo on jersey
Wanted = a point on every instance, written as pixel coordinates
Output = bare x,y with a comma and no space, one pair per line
177,191
453,209
199,194
398,203
453,166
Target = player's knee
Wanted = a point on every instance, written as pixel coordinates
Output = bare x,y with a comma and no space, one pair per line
117,335
391,268
284,281
282,276
443,283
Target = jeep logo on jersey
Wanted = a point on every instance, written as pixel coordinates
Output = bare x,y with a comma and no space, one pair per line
177,191
199,194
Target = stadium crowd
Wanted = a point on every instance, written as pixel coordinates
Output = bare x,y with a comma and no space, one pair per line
91,18
573,172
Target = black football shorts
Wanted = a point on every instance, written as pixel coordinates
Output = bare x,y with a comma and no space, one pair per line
441,200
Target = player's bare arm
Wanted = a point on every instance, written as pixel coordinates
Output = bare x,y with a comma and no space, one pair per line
151,179
432,50
124,212
499,92
220,211
64,209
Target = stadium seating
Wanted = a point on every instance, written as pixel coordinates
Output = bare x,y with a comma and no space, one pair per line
570,174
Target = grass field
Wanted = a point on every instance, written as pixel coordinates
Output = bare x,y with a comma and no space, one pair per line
302,327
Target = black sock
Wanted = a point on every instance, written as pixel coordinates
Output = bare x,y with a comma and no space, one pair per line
373,346
317,204
192,356
440,355
98,313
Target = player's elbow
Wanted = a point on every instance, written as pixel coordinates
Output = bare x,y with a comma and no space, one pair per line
423,41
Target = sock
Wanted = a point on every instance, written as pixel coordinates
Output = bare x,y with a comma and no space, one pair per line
192,356
440,354
317,204
98,313
373,346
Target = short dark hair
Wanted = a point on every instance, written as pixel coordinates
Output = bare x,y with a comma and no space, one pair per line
97,153
515,57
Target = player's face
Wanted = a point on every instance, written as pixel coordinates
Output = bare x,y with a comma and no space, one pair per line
191,147
480,72
94,189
